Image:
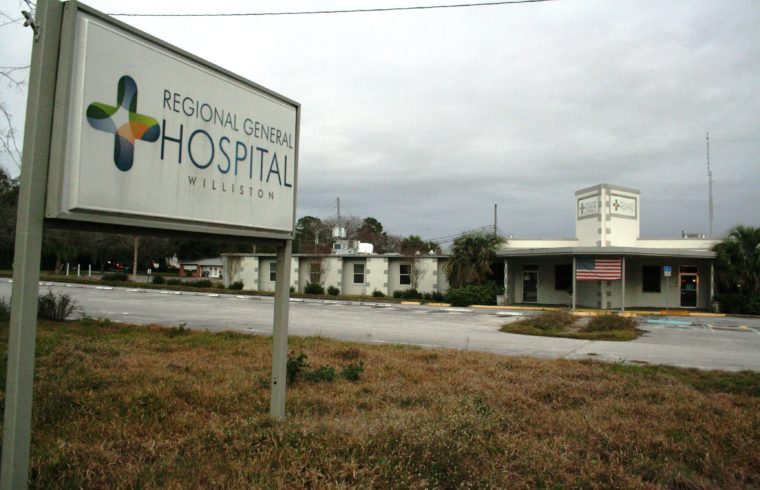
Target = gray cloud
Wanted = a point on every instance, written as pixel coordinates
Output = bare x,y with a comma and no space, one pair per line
424,120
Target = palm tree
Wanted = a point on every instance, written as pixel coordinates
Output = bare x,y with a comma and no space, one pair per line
471,257
738,260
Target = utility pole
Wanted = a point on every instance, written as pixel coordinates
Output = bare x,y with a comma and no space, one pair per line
134,260
495,220
710,188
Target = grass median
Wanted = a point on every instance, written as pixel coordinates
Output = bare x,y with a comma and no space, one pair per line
127,406
564,324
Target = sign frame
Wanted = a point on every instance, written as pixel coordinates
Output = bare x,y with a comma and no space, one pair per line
580,204
40,149
620,214
57,216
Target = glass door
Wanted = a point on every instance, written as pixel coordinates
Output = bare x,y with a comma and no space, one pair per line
689,280
530,284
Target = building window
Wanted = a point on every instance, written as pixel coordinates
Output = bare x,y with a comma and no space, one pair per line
315,272
650,279
272,271
563,277
405,274
358,273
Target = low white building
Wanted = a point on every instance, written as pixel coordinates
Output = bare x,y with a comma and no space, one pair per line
211,268
356,274
608,265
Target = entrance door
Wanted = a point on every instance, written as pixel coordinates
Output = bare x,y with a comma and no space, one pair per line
689,279
530,284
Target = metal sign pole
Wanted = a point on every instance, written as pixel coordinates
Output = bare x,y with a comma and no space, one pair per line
26,266
280,331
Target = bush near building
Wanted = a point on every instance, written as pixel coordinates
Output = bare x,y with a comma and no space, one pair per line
314,288
738,270
474,294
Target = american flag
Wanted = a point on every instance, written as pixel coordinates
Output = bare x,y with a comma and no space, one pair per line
590,269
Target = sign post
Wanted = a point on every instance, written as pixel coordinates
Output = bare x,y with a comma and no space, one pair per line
667,270
26,262
280,331
127,133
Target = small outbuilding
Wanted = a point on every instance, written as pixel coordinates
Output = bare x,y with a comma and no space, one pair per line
209,268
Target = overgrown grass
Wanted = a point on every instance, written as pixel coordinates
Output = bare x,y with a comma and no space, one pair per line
125,406
563,324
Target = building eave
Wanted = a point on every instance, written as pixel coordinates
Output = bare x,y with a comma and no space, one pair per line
627,251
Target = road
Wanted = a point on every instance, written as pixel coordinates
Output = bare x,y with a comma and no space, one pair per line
708,343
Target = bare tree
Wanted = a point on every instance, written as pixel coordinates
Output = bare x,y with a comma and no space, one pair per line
318,268
12,78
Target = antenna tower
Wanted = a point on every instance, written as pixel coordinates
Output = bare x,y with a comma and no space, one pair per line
710,187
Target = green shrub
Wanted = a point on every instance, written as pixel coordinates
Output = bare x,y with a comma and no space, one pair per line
158,279
313,288
551,320
295,367
398,294
353,372
412,294
434,296
116,276
173,282
743,304
322,374
474,294
605,323
378,294
333,291
201,283
5,310
56,306
237,285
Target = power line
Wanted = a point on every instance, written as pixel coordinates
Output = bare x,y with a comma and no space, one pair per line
347,11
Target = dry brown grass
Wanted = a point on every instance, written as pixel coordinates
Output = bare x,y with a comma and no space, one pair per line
125,406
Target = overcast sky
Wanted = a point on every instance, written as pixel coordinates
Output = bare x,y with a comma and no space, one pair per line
426,119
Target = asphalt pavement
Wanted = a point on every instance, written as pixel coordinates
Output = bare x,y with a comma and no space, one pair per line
726,343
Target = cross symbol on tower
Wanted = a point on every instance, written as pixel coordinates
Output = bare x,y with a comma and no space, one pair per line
124,122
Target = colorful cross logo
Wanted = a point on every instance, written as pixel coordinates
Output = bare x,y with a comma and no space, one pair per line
124,122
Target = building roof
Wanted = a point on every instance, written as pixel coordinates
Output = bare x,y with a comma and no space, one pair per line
347,256
639,251
213,261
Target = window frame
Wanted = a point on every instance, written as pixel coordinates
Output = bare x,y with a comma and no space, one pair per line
648,280
317,272
361,274
568,279
402,274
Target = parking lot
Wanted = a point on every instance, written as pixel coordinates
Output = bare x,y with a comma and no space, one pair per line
727,343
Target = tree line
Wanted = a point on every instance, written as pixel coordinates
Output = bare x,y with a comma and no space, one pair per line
315,236
105,250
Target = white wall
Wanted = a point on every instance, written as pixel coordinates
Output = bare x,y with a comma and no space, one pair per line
377,275
348,276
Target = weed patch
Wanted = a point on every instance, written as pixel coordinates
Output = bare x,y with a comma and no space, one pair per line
56,306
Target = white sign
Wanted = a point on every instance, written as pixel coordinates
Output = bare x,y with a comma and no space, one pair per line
623,206
588,206
148,135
